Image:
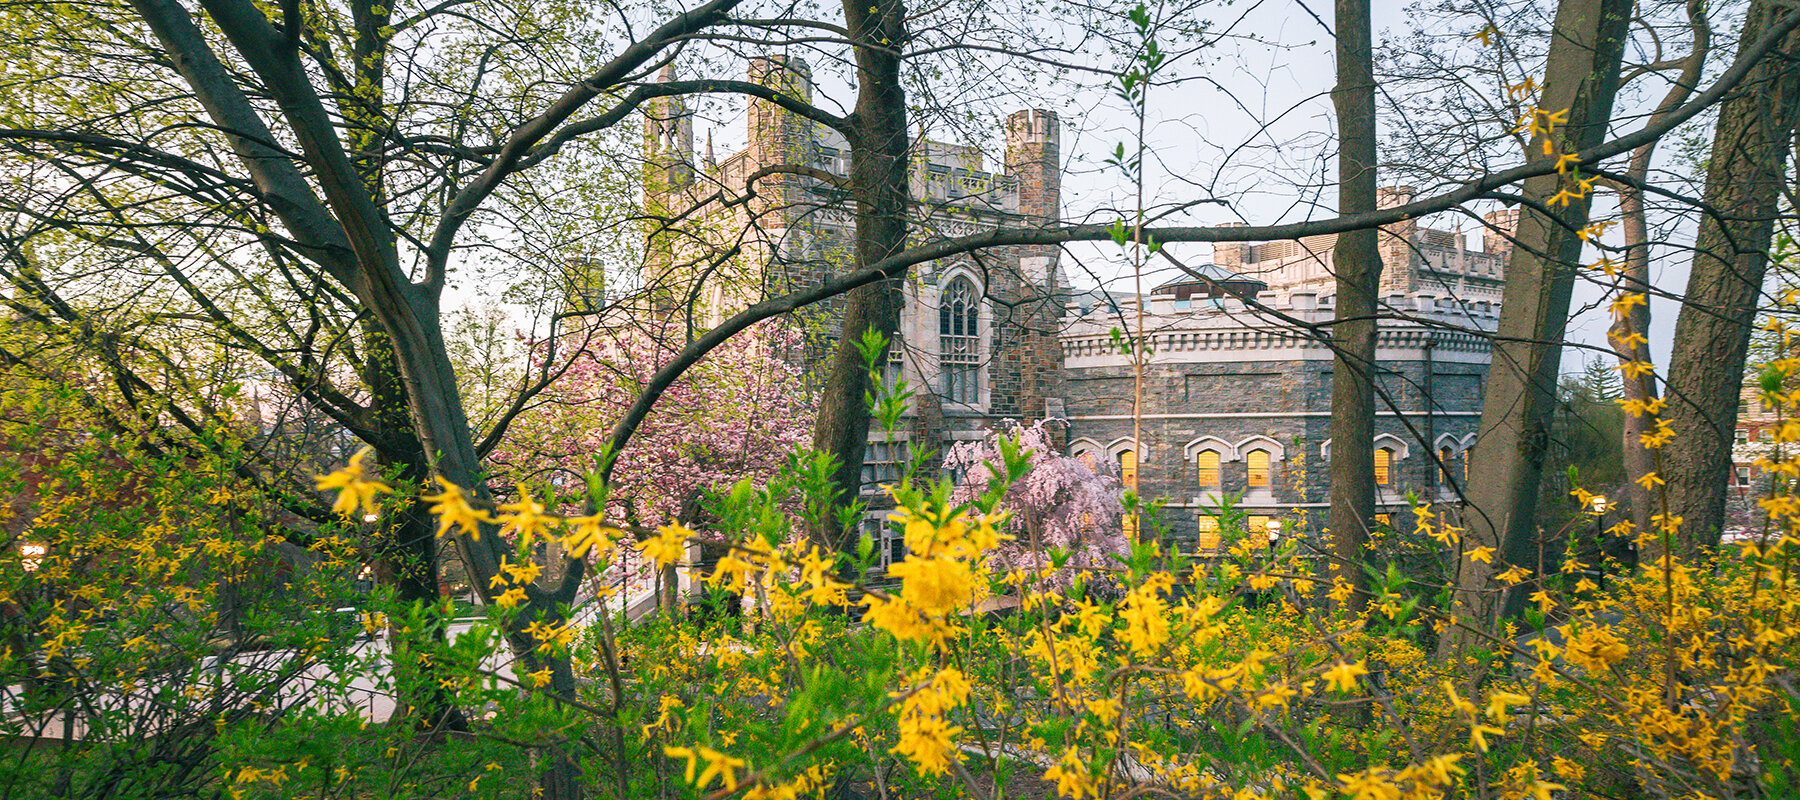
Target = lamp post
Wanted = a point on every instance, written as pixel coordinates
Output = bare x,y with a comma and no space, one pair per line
1274,528
1598,509
31,555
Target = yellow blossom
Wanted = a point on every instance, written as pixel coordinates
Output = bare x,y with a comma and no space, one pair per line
668,546
1342,677
357,488
453,510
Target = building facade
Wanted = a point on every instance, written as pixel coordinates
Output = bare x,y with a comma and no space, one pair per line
1236,407
977,336
1236,401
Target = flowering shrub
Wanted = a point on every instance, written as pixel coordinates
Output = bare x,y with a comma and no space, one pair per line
1677,682
735,415
1058,507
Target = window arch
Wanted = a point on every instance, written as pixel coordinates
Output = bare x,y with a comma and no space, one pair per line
1446,457
1257,462
959,341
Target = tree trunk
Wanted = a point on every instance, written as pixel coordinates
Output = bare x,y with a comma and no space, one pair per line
1745,175
1581,77
1357,261
1639,460
1640,504
878,173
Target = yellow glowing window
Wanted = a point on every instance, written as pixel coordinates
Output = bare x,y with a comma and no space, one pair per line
1259,468
1128,461
1207,463
1209,534
1384,459
1258,533
1445,454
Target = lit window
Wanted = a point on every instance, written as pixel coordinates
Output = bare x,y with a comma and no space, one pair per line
959,342
1384,459
1445,455
1128,461
1258,533
1258,461
1208,539
1207,464
1086,457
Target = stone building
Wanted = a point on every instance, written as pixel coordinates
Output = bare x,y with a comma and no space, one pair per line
977,337
1237,400
1237,395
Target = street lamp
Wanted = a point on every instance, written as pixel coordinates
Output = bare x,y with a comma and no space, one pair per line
1599,512
32,555
1274,526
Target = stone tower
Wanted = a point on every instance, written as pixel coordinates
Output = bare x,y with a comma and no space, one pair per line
1034,157
668,143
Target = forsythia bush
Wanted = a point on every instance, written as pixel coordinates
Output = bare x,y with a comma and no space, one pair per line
1203,680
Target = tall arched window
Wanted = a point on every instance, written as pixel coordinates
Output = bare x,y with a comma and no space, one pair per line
1208,538
959,341
1206,463
1384,460
1258,461
1128,465
1445,454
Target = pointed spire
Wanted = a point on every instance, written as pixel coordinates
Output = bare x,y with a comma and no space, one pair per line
710,161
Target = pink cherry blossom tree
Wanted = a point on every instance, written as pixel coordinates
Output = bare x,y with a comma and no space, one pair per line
737,414
1059,503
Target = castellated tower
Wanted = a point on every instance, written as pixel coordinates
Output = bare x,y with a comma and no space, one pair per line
1502,225
668,143
1033,156
1399,273
778,136
977,335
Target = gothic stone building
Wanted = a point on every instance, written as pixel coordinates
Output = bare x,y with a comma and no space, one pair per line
1237,401
977,338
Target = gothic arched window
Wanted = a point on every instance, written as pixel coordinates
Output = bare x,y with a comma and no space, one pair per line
959,341
1206,463
1257,462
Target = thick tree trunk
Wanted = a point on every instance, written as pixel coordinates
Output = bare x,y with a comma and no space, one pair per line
1581,78
1357,261
1745,175
1639,503
878,173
